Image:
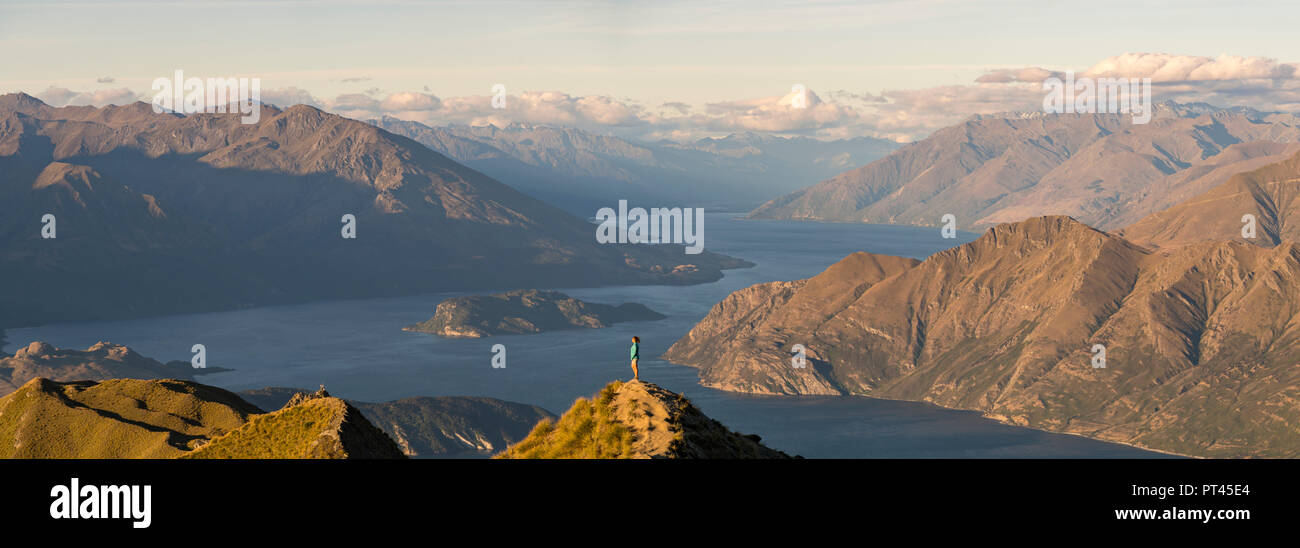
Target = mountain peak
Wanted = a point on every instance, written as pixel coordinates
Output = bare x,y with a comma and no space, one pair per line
637,420
1046,226
35,349
21,102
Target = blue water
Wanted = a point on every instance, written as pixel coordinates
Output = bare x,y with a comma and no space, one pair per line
357,350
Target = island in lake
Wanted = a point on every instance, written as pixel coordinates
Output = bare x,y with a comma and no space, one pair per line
525,311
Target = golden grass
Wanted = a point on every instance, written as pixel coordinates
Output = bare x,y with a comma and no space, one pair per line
587,431
293,433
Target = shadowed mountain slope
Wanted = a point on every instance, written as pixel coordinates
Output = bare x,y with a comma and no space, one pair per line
184,213
1271,194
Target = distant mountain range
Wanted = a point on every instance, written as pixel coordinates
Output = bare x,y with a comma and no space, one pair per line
163,213
1271,194
582,171
1199,328
1098,168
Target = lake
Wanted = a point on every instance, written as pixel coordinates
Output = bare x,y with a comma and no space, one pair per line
356,348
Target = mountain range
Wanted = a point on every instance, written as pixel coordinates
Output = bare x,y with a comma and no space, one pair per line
1101,169
185,213
1186,342
1271,194
1164,327
583,171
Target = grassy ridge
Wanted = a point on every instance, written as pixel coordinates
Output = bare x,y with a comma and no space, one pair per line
123,418
637,420
587,431
131,418
293,433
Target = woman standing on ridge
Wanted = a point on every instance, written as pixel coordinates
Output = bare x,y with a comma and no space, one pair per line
636,355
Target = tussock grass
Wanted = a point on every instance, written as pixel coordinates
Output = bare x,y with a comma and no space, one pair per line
120,418
587,431
292,433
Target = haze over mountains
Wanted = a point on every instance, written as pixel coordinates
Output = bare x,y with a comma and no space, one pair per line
1200,342
184,213
582,171
1101,169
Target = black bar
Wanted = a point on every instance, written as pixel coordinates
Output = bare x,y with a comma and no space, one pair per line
423,496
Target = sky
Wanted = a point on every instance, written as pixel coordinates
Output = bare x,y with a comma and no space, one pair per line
889,69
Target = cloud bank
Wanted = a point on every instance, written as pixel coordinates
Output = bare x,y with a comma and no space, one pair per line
901,114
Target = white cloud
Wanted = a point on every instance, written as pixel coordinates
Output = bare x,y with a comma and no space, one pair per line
1032,75
287,97
59,97
407,101
530,107
901,114
1166,67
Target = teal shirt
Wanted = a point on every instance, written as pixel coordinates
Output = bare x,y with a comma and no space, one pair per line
636,351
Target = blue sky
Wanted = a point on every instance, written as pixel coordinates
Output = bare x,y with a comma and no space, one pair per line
640,53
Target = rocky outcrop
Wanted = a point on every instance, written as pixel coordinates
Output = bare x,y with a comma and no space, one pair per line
638,420
525,311
1200,343
103,360
666,425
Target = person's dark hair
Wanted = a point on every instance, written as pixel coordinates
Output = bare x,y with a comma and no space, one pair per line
636,339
